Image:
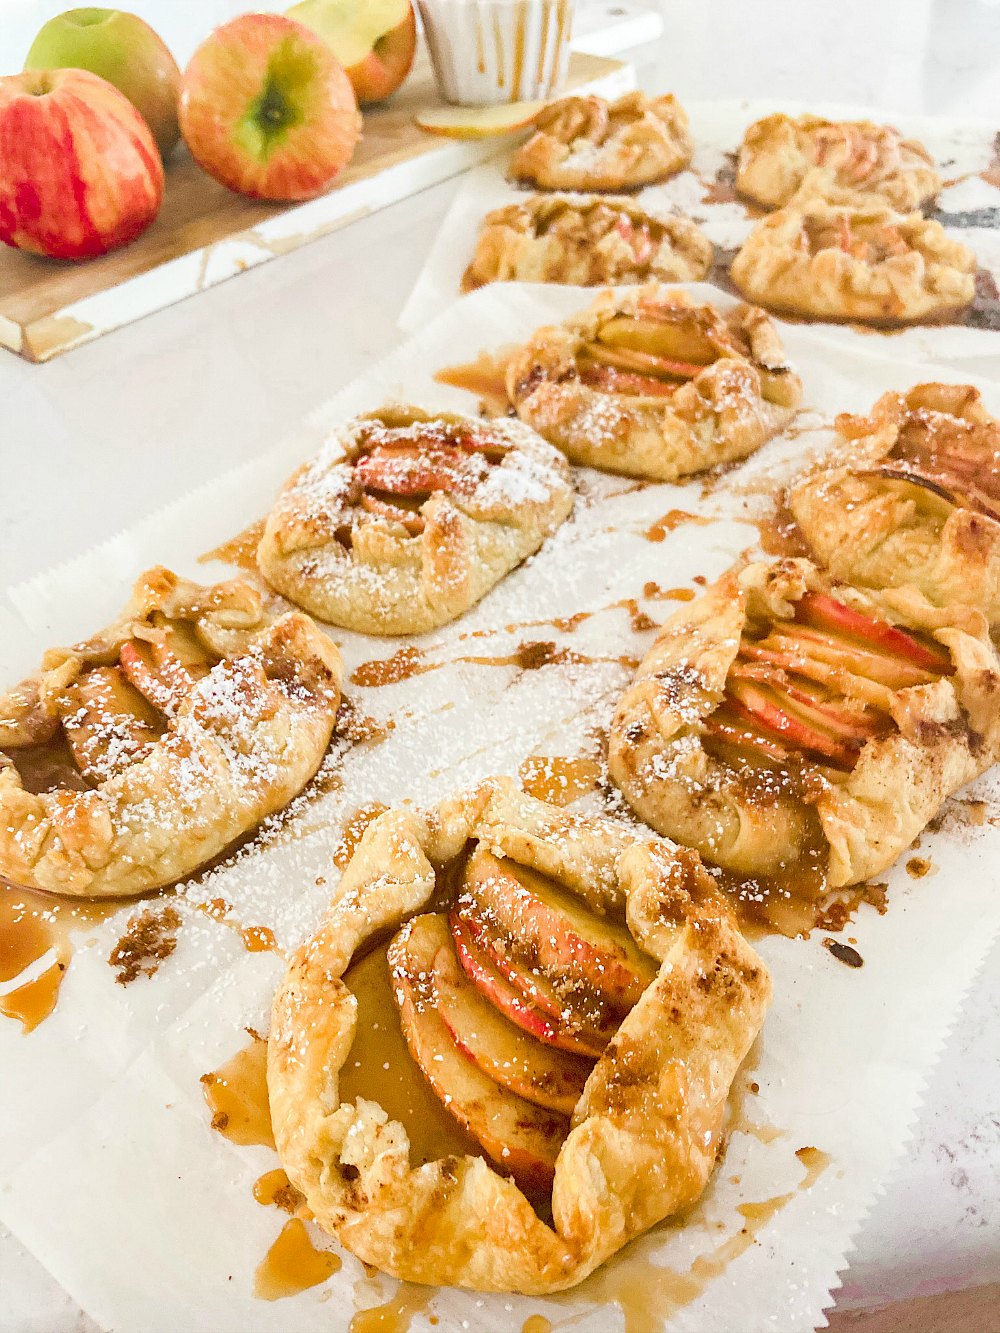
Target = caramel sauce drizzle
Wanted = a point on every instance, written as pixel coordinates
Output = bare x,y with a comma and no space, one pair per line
240,550
293,1264
236,1094
672,520
486,377
33,925
396,1315
530,656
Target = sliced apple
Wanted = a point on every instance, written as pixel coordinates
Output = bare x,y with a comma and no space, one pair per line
838,717
826,613
642,362
520,1137
554,932
517,1003
895,673
157,674
542,1074
478,122
108,724
608,380
411,521
763,708
661,330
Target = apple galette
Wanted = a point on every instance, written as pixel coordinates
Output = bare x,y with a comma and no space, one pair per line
778,152
911,497
791,727
405,520
649,383
551,1033
586,241
132,759
831,261
587,143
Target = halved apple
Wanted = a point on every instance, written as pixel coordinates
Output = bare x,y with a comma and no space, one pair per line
519,1136
554,932
542,1074
826,613
478,122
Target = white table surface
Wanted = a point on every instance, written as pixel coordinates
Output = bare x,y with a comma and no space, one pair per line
97,438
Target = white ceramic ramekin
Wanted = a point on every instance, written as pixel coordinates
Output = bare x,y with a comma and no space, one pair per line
487,52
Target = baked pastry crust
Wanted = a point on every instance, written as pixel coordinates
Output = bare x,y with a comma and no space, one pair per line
646,1131
398,526
726,388
588,143
239,727
834,261
752,823
585,240
778,152
911,497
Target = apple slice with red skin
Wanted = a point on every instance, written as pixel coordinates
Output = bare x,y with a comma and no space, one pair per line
644,363
734,733
555,933
412,522
894,672
822,612
608,380
540,1073
763,708
157,674
836,716
517,1004
520,1137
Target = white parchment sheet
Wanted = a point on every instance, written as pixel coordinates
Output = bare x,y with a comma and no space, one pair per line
968,206
109,1169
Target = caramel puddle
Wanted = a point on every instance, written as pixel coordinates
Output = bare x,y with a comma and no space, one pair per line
293,1264
236,1094
558,780
396,1315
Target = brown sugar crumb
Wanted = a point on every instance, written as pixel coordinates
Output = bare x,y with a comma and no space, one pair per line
149,938
357,727
843,953
919,866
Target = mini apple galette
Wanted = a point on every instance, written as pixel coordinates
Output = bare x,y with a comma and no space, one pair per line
912,497
587,143
405,520
648,383
831,261
132,759
552,1032
585,241
793,728
779,152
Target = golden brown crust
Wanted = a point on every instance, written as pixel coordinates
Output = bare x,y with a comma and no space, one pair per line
945,733
735,395
587,143
384,570
778,152
646,1130
170,786
587,241
902,501
834,261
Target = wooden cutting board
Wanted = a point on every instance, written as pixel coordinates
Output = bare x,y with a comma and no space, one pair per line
205,233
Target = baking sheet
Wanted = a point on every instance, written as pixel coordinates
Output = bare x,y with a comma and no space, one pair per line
968,207
109,1169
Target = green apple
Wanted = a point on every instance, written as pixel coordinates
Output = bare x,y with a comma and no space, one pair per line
374,40
123,49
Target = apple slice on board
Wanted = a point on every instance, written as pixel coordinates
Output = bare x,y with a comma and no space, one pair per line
519,998
520,1137
556,932
540,1073
478,122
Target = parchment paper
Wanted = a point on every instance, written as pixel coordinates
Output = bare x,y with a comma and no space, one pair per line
109,1170
968,206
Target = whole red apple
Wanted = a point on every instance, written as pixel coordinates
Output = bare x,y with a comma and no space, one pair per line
123,49
267,109
374,40
80,173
